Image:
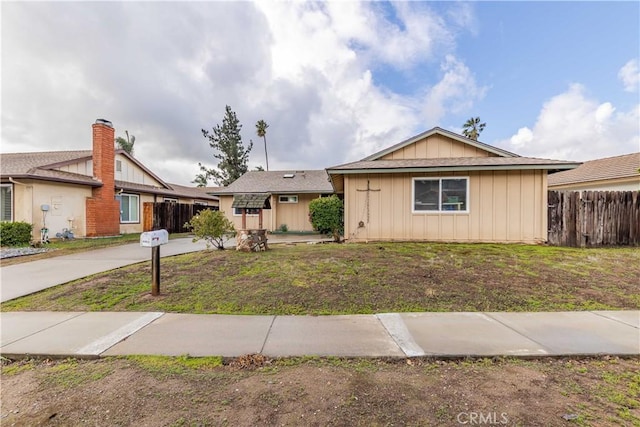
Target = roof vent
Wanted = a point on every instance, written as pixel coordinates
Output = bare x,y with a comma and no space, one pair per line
288,175
104,122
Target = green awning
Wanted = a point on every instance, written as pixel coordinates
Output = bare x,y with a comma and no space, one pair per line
252,201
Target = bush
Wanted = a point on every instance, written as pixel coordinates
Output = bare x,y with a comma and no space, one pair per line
326,216
283,228
212,227
15,233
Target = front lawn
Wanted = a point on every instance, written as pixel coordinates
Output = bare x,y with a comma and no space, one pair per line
363,278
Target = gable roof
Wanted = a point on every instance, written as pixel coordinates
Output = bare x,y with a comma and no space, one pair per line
42,166
617,167
436,130
311,181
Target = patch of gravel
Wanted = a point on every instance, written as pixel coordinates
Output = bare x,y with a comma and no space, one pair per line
15,252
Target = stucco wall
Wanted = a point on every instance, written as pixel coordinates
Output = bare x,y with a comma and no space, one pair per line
506,206
66,206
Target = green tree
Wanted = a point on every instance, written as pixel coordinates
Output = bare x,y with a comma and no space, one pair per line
326,216
261,130
211,226
472,128
227,142
126,144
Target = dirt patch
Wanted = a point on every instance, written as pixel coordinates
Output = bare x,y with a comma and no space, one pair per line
329,392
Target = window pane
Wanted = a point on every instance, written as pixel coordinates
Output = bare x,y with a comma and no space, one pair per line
454,194
5,203
133,208
124,208
426,195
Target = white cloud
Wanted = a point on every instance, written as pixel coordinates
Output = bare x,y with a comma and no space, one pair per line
571,126
455,92
165,70
630,76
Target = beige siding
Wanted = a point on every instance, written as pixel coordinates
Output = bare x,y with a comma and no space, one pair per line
436,147
131,172
620,184
506,206
294,215
82,168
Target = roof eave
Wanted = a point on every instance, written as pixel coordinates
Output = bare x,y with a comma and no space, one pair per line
93,183
452,169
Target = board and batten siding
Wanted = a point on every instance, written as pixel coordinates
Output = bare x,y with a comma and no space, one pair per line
503,206
294,215
436,147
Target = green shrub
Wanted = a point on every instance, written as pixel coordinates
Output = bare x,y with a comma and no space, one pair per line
15,233
283,228
211,226
326,215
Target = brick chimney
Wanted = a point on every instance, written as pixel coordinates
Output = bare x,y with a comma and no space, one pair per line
103,210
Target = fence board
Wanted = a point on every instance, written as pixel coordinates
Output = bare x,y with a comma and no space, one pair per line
171,216
594,218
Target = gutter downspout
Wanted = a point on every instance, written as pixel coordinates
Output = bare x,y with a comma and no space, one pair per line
29,186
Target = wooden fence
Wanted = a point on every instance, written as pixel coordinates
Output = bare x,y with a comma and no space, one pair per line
170,216
594,218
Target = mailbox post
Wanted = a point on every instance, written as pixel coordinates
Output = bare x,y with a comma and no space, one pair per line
153,240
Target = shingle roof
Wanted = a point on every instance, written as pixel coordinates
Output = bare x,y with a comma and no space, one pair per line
600,169
25,163
175,190
454,163
251,201
311,181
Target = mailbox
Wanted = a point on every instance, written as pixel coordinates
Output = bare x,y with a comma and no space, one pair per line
154,238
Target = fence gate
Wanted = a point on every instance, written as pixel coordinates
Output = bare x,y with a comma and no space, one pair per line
594,218
170,216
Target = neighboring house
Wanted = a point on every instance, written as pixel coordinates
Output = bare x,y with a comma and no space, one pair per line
286,193
619,173
97,192
441,186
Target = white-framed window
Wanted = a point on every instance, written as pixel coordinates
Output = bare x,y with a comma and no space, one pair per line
170,200
6,202
201,203
250,211
129,208
288,199
118,165
446,194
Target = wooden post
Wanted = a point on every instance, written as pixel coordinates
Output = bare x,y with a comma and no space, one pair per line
155,270
260,219
244,218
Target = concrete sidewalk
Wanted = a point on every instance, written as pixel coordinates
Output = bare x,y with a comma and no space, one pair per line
95,334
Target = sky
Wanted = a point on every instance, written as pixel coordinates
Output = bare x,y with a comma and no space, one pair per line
335,81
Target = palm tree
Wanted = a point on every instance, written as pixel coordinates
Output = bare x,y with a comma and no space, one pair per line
472,128
126,144
261,130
